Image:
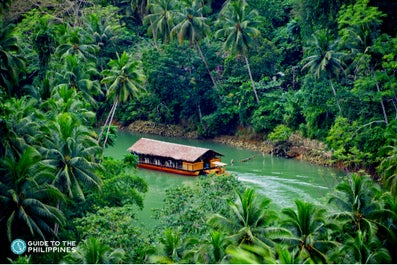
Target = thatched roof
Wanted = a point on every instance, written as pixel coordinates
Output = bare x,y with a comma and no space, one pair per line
170,150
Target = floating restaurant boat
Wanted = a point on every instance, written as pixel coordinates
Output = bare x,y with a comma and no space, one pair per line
177,158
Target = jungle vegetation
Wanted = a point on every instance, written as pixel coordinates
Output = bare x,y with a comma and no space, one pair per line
70,69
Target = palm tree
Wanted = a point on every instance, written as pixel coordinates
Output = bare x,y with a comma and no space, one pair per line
92,251
239,30
77,42
324,59
388,167
125,81
358,206
191,26
67,100
211,249
365,211
287,257
308,227
105,34
134,9
11,63
44,42
170,250
78,76
388,238
25,195
18,126
161,19
229,2
250,221
72,149
362,249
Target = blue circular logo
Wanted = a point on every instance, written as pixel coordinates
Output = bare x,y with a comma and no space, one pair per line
18,246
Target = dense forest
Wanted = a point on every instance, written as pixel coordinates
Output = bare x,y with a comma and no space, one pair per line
72,70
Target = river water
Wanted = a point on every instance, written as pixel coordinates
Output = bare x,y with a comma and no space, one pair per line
281,180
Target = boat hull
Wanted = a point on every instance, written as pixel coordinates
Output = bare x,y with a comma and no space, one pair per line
170,170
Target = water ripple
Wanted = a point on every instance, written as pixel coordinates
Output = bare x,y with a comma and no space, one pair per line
284,191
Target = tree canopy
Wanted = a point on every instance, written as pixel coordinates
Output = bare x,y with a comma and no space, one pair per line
72,71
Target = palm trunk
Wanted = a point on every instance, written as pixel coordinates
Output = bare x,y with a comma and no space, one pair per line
206,64
294,77
394,101
110,122
382,104
336,98
154,33
105,124
201,117
252,80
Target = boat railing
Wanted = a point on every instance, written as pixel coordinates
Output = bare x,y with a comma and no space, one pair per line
158,162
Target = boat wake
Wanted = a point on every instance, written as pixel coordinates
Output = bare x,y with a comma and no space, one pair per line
284,191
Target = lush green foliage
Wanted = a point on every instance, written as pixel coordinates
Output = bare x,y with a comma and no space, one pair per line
280,133
189,207
248,231
91,251
326,69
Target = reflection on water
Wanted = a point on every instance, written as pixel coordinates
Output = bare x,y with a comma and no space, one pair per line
281,180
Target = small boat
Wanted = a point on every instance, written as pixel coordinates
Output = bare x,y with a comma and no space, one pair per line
177,158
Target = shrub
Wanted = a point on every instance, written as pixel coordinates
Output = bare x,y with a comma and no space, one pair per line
280,133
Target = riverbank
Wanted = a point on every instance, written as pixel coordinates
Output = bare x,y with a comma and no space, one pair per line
296,147
148,127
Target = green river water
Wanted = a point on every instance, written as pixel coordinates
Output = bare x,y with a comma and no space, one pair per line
281,180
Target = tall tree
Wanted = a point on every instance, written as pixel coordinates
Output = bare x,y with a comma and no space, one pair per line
103,24
25,196
72,148
171,247
359,206
44,41
11,63
79,76
212,249
64,99
134,9
239,28
362,249
75,41
161,19
359,30
309,230
19,127
191,25
125,81
358,25
323,59
251,220
388,167
313,15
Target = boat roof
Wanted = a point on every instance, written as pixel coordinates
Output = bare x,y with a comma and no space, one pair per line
170,150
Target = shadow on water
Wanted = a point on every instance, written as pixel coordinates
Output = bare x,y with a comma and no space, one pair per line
281,180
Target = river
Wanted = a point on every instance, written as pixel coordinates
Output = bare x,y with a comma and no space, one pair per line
281,180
